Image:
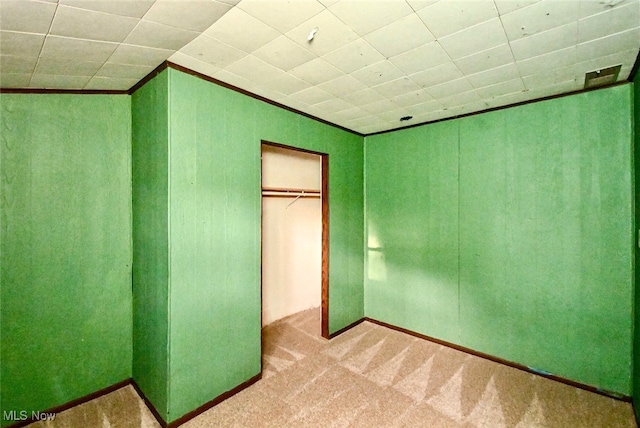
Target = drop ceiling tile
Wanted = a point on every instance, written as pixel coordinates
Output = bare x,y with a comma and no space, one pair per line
476,107
254,33
232,79
287,84
614,20
138,55
91,25
212,51
394,116
46,81
626,58
377,127
282,15
254,70
546,41
293,103
486,60
194,64
625,72
494,76
381,106
397,87
378,73
509,99
132,8
422,58
423,108
314,112
481,37
17,64
76,49
436,75
447,17
594,7
359,123
543,63
412,98
124,71
430,116
316,71
552,77
64,67
354,56
363,96
154,35
331,34
342,86
352,114
193,15
21,44
416,5
110,83
26,16
449,88
366,16
328,3
608,45
538,17
364,121
14,80
465,98
312,95
333,105
284,53
506,6
555,89
507,87
264,91
401,36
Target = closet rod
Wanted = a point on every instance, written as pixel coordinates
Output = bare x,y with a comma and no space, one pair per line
291,194
288,190
280,192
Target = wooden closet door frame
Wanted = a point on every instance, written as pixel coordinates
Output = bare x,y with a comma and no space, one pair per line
325,232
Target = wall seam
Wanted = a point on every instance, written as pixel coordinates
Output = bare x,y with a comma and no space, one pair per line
168,374
458,225
365,236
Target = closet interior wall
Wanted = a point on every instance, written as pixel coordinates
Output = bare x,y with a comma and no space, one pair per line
291,232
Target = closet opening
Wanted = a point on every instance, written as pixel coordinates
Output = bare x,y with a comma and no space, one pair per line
295,253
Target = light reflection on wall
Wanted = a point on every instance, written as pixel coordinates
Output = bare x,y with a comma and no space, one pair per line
376,266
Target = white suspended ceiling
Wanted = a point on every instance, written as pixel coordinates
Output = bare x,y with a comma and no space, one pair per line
370,62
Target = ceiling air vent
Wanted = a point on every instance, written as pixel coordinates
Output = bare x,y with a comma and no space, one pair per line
603,77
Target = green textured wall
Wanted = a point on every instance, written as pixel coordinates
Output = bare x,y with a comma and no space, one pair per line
66,247
412,232
212,222
539,198
150,161
636,338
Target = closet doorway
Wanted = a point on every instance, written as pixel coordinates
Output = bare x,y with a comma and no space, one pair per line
295,233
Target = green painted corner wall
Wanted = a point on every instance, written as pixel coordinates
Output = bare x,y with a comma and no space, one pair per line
211,201
150,160
636,337
511,233
66,247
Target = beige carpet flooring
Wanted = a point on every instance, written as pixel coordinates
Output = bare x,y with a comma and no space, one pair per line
372,376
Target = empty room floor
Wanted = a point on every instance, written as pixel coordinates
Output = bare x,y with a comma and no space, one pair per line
372,376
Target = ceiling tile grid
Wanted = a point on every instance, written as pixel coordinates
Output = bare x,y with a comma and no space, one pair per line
361,64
